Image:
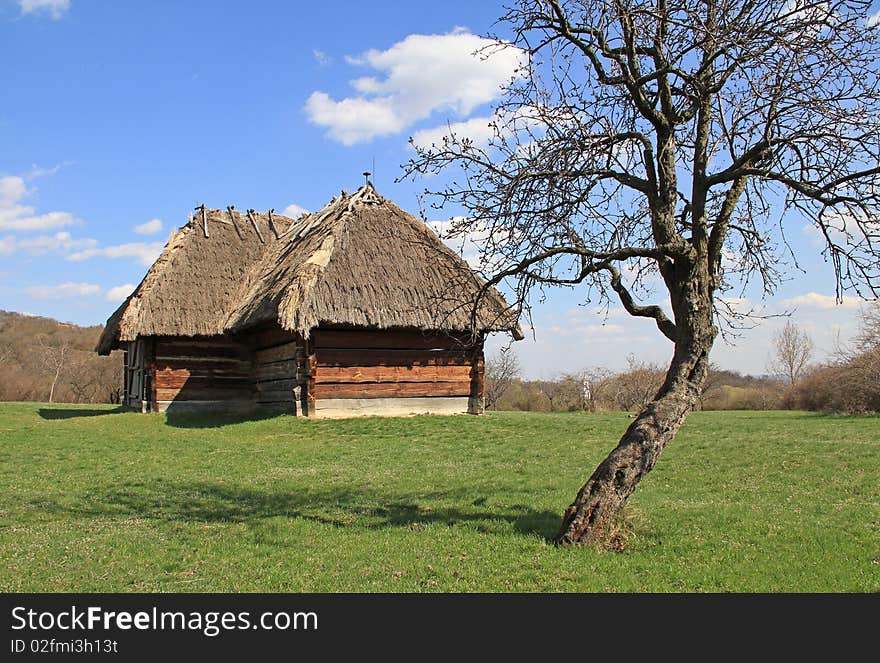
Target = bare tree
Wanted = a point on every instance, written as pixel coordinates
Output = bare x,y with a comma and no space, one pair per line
714,380
53,357
864,359
82,383
595,383
852,382
635,387
574,390
793,349
868,337
678,137
93,379
501,371
556,391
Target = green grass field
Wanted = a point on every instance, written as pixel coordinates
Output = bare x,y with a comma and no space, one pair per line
96,500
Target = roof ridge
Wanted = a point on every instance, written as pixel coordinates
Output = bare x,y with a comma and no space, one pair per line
366,195
306,224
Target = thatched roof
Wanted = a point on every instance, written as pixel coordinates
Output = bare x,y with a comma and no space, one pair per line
360,261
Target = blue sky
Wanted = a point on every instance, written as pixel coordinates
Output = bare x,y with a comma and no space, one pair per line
120,117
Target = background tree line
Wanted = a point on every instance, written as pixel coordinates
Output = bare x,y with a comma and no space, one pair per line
849,382
45,360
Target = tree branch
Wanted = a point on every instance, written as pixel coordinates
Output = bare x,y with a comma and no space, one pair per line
664,324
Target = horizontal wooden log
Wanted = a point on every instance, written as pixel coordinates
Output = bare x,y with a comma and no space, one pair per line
413,340
277,371
224,406
188,393
199,350
201,342
202,372
275,396
392,389
203,365
391,357
164,381
389,407
357,374
276,385
267,338
278,353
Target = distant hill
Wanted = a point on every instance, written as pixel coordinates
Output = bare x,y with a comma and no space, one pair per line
42,359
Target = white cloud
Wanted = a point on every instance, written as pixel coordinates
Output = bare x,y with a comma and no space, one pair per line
421,74
817,238
146,252
63,290
321,57
844,229
151,227
119,292
12,189
477,129
601,329
294,211
39,222
38,171
59,242
814,300
353,121
482,129
54,8
737,305
874,20
15,216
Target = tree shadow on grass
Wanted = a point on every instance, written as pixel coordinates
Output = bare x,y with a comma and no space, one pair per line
204,502
75,413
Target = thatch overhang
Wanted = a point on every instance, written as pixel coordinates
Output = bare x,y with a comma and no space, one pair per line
361,261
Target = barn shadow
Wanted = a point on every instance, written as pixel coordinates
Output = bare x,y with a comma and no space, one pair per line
53,414
202,502
176,418
189,419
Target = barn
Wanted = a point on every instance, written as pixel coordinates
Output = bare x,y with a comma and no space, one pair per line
356,309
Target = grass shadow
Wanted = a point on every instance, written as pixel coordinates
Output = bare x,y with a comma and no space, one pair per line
52,414
203,502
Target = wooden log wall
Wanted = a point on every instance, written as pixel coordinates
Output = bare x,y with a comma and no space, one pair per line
279,369
207,370
357,364
277,372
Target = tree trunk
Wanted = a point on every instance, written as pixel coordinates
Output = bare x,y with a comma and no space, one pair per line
590,516
54,382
